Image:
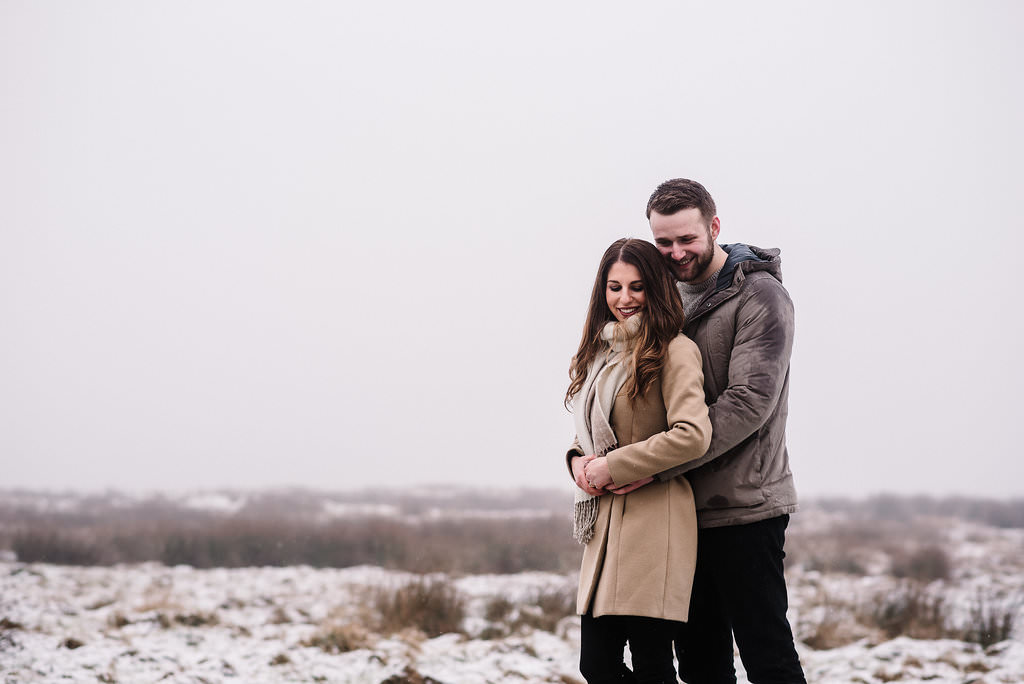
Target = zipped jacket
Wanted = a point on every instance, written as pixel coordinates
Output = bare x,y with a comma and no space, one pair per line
744,331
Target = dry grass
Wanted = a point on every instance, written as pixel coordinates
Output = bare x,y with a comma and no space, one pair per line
914,611
287,528
547,609
157,597
117,620
830,623
431,605
884,676
925,564
990,621
468,546
905,549
543,612
196,619
834,630
498,608
910,610
339,638
410,676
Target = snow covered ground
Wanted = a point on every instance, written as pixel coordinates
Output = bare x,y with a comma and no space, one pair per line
147,622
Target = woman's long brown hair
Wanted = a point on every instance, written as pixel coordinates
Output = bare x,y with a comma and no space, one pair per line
660,321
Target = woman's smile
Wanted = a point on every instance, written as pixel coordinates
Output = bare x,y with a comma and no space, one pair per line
624,290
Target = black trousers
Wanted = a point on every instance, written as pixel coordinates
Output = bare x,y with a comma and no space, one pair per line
739,589
603,639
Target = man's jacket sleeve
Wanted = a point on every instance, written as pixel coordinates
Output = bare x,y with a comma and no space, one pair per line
758,367
686,415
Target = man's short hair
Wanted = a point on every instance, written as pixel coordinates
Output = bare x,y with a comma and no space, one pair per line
681,193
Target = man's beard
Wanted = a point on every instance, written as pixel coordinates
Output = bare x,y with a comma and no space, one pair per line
698,266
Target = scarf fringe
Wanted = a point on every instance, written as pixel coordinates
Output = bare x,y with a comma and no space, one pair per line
584,519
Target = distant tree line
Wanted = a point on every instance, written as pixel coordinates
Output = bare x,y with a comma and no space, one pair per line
460,531
900,508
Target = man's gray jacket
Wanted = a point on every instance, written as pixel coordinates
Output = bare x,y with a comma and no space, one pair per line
744,330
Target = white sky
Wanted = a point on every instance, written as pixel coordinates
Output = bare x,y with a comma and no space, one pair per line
249,244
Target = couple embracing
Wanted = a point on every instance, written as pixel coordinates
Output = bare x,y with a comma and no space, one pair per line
679,392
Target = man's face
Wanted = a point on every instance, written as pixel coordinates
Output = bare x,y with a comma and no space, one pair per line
686,242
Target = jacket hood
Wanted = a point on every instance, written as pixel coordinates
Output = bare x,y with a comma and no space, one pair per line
748,258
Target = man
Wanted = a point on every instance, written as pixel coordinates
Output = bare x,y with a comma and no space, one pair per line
741,318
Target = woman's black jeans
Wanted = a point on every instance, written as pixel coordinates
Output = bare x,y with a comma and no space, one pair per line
650,646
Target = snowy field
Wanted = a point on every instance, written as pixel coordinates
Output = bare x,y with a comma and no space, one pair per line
147,622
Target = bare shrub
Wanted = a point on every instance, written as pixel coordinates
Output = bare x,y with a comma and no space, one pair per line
925,564
990,621
49,545
829,623
279,617
492,632
845,547
117,620
7,626
430,605
829,633
909,611
977,666
498,608
157,597
410,676
913,612
883,676
196,619
339,638
546,609
557,602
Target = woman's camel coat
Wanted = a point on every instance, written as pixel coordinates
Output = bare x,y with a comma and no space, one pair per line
641,558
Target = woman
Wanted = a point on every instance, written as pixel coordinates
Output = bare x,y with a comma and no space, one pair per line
637,392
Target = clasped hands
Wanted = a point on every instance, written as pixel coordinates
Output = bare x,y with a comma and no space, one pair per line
592,475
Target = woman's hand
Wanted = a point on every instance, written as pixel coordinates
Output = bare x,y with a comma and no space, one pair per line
597,473
579,464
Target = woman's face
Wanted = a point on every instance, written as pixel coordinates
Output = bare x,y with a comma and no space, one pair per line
624,290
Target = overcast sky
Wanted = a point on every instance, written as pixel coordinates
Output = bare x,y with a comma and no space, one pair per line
337,245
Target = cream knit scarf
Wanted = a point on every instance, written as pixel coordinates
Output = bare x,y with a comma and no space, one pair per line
592,409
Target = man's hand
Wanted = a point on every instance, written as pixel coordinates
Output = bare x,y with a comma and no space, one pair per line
597,473
636,484
579,464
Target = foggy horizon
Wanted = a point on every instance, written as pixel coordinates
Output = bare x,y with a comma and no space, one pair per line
250,245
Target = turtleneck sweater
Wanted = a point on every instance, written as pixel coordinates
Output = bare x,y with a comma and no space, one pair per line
692,293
